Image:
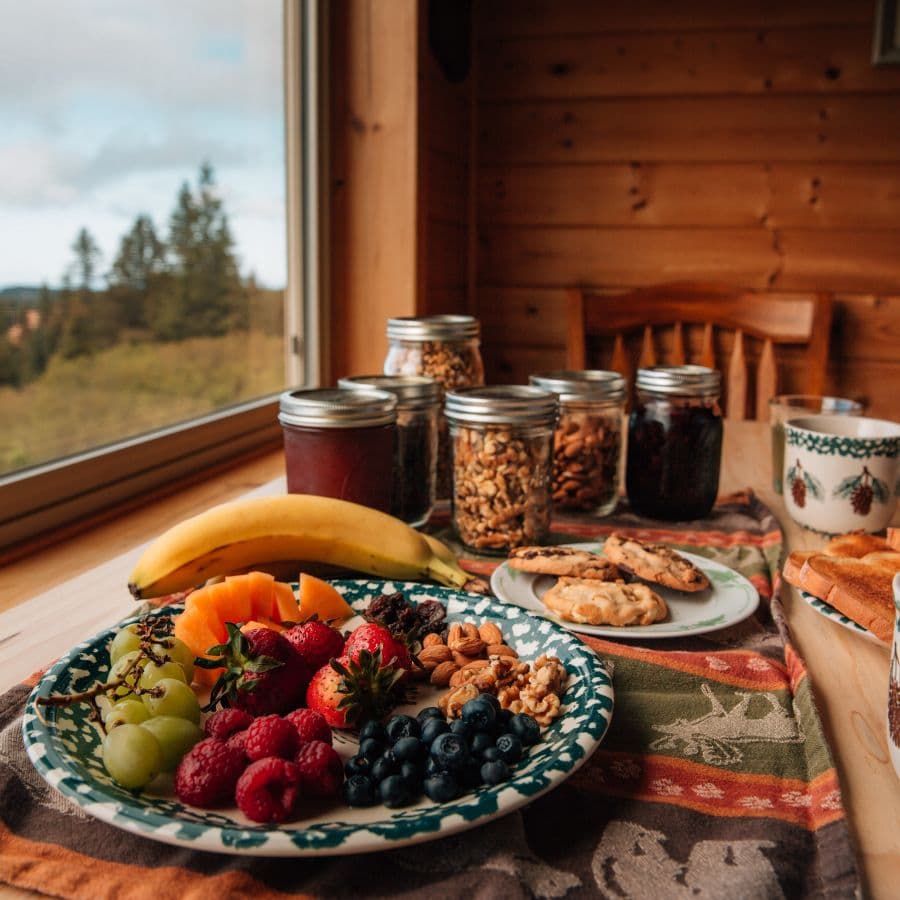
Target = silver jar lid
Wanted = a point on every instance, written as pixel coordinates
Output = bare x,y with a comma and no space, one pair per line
411,391
582,384
337,408
501,405
684,380
433,328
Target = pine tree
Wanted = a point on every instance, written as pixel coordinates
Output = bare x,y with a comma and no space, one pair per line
137,272
87,257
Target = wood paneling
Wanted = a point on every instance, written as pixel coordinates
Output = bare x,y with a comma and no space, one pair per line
830,59
622,145
713,129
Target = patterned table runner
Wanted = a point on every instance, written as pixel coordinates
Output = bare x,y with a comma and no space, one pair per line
715,780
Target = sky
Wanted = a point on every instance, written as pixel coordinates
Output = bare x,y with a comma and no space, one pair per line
108,106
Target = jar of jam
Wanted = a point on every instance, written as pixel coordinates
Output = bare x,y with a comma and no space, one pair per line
588,440
446,348
415,447
674,442
340,443
502,454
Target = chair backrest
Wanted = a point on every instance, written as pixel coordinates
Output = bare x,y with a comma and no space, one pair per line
772,319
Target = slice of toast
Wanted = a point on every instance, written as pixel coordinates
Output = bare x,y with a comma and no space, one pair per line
856,543
860,590
793,565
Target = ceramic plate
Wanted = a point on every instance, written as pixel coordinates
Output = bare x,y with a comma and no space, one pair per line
729,599
827,610
65,746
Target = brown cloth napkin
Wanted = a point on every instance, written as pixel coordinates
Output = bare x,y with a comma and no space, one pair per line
714,781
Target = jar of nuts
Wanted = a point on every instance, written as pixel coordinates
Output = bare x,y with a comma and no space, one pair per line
415,445
587,445
447,348
502,448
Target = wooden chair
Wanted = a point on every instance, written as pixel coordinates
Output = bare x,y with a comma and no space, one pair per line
770,318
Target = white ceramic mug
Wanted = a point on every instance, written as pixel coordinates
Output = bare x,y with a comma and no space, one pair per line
841,472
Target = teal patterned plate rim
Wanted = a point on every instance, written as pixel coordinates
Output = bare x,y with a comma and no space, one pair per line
730,599
64,748
827,610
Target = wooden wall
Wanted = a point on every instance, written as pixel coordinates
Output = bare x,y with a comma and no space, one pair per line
627,144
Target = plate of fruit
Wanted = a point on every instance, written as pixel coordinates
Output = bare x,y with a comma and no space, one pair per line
401,713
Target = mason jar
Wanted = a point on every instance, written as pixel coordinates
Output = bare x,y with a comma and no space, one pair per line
340,443
446,348
674,442
415,447
502,457
587,444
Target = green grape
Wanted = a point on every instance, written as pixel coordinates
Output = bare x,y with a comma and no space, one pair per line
125,641
178,651
132,756
126,712
175,699
105,705
175,736
124,692
152,673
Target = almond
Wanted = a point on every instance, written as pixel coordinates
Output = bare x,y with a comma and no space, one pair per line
490,633
443,672
500,650
432,640
468,646
475,664
436,653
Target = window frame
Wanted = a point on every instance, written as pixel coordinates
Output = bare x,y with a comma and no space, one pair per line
46,497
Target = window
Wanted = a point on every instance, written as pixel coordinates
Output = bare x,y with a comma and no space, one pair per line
152,282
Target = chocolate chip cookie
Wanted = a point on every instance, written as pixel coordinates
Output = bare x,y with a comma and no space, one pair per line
563,561
655,563
592,602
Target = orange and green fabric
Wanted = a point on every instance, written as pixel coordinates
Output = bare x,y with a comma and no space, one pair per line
714,780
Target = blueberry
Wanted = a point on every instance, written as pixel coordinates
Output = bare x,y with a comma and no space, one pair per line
504,716
430,712
457,726
501,723
371,748
360,791
480,742
492,700
479,713
385,765
402,726
450,751
358,765
433,728
510,748
433,767
525,729
441,788
495,772
412,772
491,754
470,776
373,729
410,749
395,791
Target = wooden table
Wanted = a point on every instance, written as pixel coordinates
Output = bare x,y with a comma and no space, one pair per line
54,598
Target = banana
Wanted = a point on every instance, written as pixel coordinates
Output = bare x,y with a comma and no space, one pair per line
252,533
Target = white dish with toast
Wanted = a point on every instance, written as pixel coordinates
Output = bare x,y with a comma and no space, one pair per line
731,598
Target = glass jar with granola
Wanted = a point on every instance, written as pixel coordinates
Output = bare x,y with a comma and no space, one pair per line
587,445
415,444
446,348
502,454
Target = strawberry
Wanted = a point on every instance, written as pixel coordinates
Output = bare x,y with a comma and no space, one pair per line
373,637
316,641
263,672
349,691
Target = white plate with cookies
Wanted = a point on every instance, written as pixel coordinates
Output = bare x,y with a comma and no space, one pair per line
728,599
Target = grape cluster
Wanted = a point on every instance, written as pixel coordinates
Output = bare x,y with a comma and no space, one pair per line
407,757
149,711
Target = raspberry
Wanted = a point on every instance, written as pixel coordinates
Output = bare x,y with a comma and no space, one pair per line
226,722
271,736
269,790
321,769
310,725
208,773
239,740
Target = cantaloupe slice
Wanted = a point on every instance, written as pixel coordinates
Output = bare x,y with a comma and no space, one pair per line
263,623
261,588
234,603
194,629
319,598
285,603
